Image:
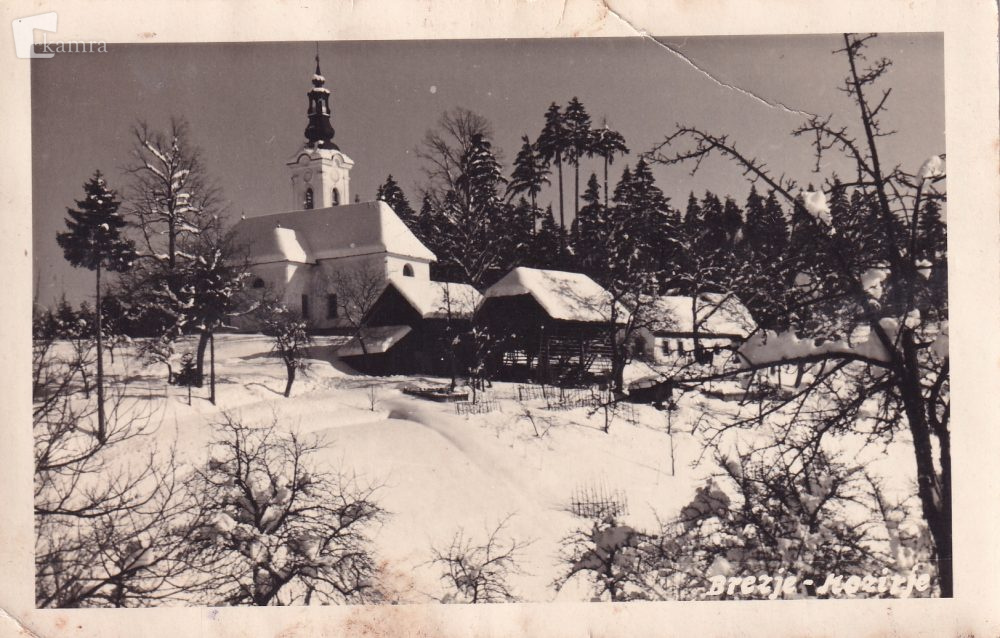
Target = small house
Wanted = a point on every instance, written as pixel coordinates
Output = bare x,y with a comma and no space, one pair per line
550,326
703,328
412,328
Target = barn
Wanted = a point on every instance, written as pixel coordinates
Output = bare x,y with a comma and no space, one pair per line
412,328
549,326
702,328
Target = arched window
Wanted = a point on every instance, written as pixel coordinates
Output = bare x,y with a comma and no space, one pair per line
309,199
336,197
258,283
407,270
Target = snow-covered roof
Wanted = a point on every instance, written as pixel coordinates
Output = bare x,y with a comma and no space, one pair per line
434,299
569,296
718,314
307,236
378,340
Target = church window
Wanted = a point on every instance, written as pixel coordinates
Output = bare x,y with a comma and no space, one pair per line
258,283
336,197
309,199
305,306
331,306
407,270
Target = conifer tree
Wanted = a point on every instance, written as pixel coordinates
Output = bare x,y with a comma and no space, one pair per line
580,143
530,173
712,236
553,144
94,240
589,229
469,226
548,242
390,193
607,143
732,221
932,234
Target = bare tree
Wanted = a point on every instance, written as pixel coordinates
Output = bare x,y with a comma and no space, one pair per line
880,358
171,196
177,212
477,571
291,339
358,289
277,529
103,520
444,147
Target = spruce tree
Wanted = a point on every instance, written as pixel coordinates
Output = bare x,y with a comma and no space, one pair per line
552,145
732,222
390,193
932,234
580,143
530,173
755,227
607,143
548,242
712,235
590,233
94,240
775,227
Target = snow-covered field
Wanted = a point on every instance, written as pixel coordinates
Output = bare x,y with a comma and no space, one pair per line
441,472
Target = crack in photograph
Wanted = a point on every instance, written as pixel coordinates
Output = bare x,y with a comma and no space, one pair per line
490,321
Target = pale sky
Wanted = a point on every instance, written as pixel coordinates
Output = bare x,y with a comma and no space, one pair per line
246,104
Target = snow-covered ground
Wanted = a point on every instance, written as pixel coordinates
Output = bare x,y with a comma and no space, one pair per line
441,472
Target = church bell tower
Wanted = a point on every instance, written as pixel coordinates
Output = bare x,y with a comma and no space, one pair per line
320,171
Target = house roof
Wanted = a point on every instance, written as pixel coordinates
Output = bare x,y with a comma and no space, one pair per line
306,236
435,299
718,314
378,340
569,296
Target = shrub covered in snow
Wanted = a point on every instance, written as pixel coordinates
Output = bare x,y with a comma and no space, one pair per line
274,529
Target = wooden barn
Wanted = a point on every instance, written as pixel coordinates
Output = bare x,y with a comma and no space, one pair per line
411,328
549,326
705,328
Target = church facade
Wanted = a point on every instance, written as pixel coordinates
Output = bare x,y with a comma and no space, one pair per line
321,251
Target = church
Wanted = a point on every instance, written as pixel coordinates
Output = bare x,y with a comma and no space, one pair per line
309,255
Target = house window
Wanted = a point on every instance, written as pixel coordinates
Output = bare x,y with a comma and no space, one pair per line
336,197
680,347
331,306
258,283
407,270
666,346
309,199
305,306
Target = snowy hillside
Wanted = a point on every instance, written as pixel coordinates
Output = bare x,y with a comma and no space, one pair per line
439,472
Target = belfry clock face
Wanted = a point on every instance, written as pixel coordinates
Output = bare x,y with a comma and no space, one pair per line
308,175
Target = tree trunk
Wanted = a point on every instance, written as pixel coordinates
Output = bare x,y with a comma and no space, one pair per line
200,358
933,489
576,188
101,424
211,369
562,215
291,379
172,243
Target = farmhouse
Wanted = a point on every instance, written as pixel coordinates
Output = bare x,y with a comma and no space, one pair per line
549,325
703,328
309,255
413,327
